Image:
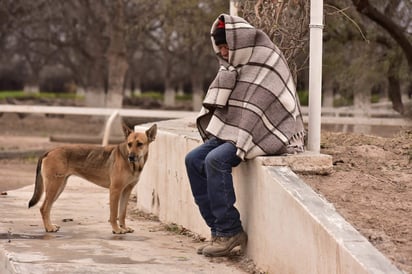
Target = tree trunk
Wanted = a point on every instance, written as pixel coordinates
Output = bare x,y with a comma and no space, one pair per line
117,65
395,93
180,89
116,55
362,101
128,84
327,92
31,84
394,86
197,92
169,96
31,88
95,91
409,90
94,97
137,85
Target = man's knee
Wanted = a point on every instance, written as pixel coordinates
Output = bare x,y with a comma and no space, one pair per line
192,159
189,158
213,160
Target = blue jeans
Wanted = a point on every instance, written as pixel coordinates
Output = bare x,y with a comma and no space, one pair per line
209,168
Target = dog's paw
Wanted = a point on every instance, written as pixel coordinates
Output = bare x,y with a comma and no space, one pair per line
119,231
52,228
128,229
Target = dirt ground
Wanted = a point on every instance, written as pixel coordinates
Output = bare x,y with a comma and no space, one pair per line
370,186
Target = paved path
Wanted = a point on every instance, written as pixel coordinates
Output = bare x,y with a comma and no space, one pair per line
85,243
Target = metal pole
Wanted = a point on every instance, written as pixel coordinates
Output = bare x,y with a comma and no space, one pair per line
315,74
233,8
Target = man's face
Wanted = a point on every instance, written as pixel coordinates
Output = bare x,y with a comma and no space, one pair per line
224,51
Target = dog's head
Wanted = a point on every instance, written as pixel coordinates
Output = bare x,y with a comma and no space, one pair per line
138,142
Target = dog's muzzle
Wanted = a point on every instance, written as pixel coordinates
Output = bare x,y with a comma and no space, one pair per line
132,158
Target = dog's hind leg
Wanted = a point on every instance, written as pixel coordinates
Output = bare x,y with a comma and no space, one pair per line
54,187
124,199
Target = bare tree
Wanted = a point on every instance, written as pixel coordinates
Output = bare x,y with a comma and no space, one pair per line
352,31
86,36
23,34
287,24
196,54
180,39
397,32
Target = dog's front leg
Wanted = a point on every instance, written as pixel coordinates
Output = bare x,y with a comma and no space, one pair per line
124,199
114,207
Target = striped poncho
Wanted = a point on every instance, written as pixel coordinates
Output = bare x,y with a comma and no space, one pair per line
252,102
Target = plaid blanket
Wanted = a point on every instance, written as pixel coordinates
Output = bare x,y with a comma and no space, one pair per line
252,102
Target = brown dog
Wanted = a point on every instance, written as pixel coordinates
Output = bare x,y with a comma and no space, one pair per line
116,167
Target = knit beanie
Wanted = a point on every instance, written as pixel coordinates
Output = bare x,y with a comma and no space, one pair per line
219,35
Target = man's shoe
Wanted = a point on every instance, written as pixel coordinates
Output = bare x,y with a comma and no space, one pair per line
223,245
199,250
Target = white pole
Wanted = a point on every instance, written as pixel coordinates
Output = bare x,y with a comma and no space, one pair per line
315,74
233,8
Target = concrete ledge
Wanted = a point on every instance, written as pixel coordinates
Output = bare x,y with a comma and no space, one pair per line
291,229
304,163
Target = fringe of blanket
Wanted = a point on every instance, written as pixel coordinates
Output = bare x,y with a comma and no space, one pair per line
296,143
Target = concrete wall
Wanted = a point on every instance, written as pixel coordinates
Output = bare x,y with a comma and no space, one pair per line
291,229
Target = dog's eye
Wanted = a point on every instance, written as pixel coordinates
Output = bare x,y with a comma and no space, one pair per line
140,144
129,144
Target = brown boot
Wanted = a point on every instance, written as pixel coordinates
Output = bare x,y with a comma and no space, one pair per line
223,245
199,250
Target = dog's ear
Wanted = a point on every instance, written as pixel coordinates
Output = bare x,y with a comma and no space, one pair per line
151,133
126,130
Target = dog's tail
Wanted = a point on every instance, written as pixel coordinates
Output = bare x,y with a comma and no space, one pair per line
38,185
